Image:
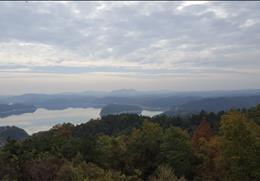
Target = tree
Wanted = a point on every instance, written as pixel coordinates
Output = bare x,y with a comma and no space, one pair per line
177,152
44,169
203,131
11,160
206,149
165,173
143,148
69,172
254,114
110,151
240,147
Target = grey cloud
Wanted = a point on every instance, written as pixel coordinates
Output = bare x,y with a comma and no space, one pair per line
154,36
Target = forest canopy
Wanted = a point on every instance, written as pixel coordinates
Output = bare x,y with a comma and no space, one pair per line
130,147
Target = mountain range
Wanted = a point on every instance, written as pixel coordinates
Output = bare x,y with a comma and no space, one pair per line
170,102
215,104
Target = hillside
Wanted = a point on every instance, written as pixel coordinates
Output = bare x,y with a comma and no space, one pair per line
146,100
11,132
130,147
215,104
149,100
15,109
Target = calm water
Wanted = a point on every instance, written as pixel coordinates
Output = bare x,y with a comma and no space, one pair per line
43,119
150,113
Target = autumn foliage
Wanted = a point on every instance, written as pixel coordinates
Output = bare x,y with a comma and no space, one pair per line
202,147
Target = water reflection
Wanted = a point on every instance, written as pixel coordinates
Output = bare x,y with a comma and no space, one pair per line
43,119
150,113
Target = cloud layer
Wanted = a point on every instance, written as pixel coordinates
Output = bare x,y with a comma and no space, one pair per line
137,40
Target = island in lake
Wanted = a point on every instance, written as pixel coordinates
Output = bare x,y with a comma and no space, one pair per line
115,109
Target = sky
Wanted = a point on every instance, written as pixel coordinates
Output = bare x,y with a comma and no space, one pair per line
48,47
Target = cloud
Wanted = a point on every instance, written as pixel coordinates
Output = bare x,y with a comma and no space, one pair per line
248,23
190,3
141,38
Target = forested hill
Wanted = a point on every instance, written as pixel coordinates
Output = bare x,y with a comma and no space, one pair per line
129,147
215,104
115,109
11,132
15,109
63,101
171,102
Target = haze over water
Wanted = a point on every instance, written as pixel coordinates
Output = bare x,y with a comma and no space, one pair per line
43,119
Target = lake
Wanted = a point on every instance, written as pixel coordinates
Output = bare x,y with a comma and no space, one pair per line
43,119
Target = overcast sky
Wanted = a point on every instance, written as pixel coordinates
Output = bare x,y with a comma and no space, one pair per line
77,46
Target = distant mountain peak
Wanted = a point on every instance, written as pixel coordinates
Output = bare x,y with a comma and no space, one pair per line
125,90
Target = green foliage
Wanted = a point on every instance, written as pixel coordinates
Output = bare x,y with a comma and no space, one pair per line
68,172
143,148
254,114
110,151
176,149
129,147
165,173
41,169
240,147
